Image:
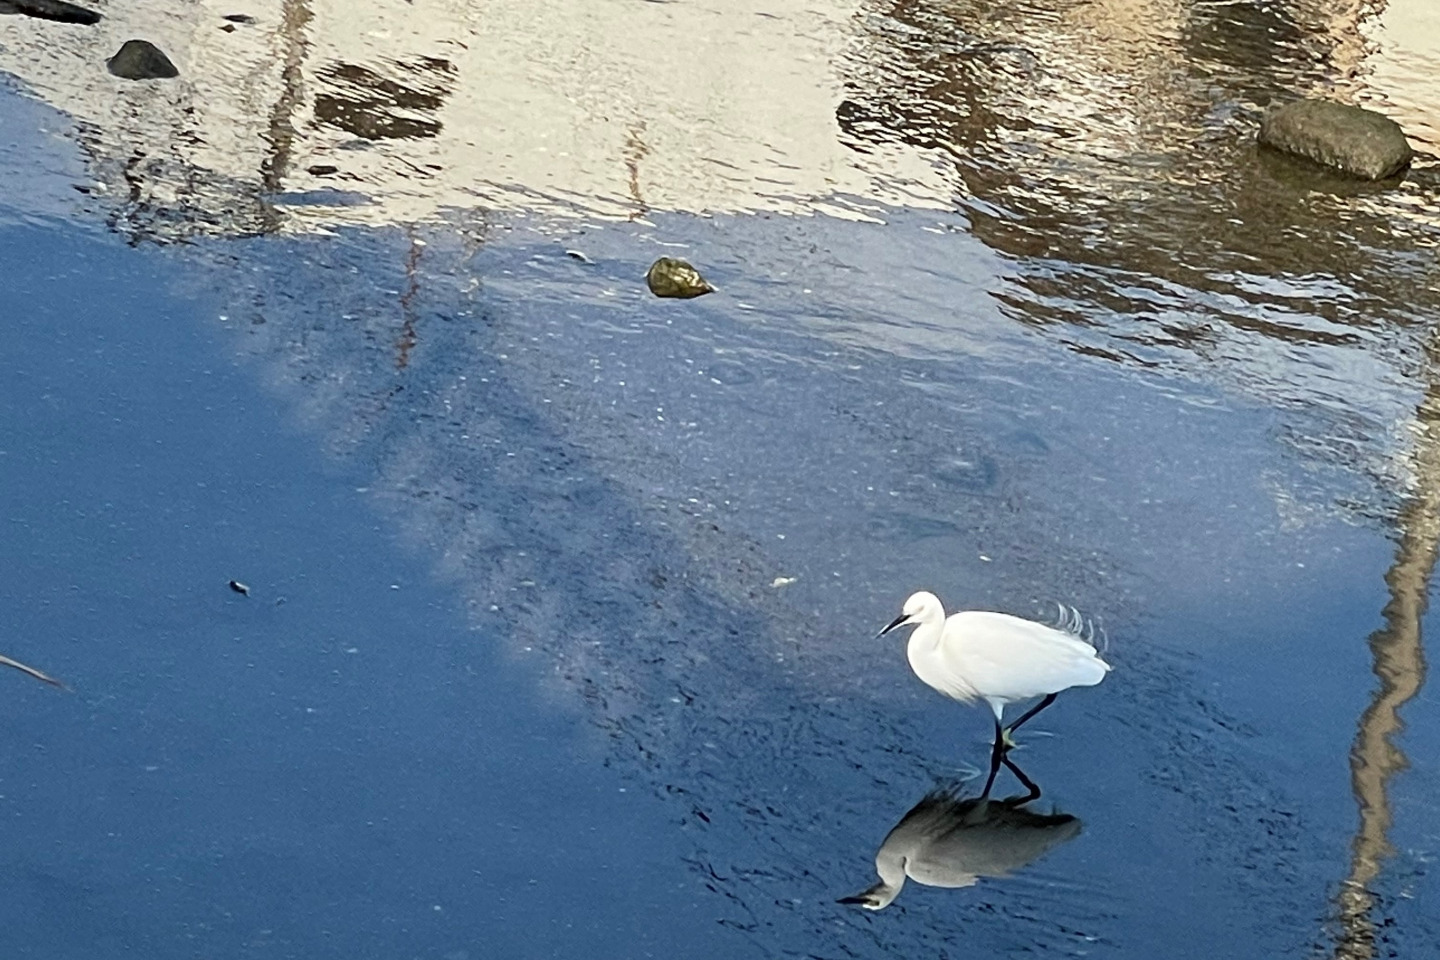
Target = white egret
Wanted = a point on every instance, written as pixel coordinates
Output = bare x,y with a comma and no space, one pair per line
980,655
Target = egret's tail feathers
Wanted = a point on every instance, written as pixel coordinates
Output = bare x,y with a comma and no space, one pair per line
1078,625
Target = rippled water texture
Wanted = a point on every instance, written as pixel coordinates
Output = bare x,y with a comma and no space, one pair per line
563,597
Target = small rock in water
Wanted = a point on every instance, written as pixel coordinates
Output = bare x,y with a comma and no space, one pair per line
668,277
1352,140
240,588
57,10
141,60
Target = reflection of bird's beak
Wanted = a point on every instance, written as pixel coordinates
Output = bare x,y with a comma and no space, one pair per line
898,621
877,897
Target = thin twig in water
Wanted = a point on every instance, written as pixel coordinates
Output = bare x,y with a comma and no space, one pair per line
45,677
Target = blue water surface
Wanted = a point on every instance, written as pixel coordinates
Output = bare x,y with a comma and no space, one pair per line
334,765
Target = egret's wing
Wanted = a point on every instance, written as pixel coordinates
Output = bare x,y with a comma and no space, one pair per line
1015,659
1000,845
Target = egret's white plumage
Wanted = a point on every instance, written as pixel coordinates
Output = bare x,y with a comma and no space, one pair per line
979,655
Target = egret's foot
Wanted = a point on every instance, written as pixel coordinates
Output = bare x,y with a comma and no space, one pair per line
1007,742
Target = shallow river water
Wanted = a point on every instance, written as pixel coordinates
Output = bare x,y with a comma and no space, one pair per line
560,632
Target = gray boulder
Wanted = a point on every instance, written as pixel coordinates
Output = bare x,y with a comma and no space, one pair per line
1355,141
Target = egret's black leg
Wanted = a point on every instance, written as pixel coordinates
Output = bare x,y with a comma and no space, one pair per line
1049,699
997,754
1025,782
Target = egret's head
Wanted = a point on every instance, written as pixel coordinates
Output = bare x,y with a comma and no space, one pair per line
877,897
920,607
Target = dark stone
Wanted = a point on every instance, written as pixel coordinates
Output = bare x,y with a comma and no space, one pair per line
322,170
141,60
1355,141
51,10
239,18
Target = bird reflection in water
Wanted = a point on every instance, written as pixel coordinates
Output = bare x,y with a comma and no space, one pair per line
947,840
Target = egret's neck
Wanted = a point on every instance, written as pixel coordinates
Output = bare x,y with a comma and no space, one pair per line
891,867
923,652
925,638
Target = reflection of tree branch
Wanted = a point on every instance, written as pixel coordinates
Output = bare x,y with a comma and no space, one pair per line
280,132
1399,664
635,150
408,337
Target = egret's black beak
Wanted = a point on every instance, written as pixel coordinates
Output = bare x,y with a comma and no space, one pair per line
898,621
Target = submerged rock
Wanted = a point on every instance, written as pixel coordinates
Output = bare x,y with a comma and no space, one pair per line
1353,140
141,60
57,10
668,277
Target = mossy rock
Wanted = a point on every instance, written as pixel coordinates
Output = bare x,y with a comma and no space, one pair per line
669,277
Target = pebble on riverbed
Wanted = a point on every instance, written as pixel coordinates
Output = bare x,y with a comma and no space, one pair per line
141,60
668,277
1352,140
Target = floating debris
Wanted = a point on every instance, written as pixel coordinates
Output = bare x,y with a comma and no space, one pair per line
579,255
141,60
239,587
44,677
779,582
668,277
